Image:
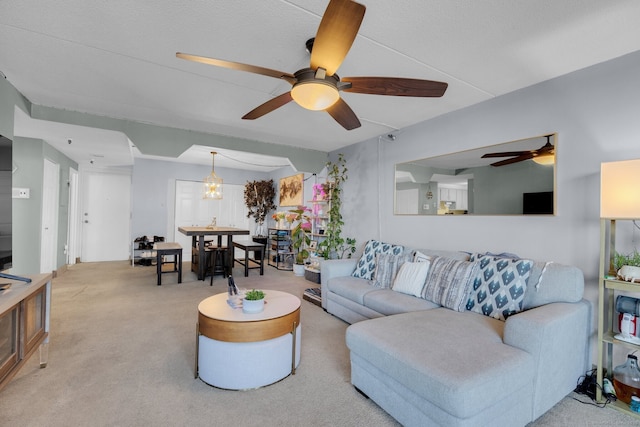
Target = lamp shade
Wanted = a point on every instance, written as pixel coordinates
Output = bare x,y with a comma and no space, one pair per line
620,189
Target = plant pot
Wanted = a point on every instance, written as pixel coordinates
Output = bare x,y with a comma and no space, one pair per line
629,273
298,269
252,306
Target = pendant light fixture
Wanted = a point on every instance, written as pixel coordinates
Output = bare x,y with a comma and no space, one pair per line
212,183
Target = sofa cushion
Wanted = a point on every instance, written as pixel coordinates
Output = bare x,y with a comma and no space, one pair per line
388,302
387,266
499,286
411,278
367,263
457,361
552,282
351,288
448,282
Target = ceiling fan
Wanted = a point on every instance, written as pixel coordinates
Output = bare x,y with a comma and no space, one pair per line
543,155
318,87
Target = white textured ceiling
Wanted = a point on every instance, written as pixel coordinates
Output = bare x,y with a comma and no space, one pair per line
117,58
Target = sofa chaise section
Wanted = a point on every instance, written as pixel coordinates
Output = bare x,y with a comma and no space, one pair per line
430,365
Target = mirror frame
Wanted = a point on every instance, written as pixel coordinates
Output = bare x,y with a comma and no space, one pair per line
475,183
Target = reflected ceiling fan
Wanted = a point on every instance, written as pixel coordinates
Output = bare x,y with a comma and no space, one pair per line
318,87
544,155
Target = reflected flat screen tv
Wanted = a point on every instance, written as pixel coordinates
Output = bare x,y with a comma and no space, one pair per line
537,203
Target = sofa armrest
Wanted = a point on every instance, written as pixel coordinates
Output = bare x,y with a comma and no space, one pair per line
556,335
334,268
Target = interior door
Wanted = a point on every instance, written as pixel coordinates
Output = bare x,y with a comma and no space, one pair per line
106,217
49,221
407,201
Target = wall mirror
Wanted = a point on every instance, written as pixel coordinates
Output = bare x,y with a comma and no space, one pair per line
513,178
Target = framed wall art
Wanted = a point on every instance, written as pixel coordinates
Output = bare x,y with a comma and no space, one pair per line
291,190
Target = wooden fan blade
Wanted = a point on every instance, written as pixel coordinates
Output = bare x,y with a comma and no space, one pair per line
238,66
521,158
395,86
268,106
542,150
343,114
506,154
337,31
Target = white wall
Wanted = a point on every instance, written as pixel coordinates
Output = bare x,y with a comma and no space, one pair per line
154,192
596,113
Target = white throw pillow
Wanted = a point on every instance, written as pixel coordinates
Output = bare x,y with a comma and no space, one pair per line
420,257
411,277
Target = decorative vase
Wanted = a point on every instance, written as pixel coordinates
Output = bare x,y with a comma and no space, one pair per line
298,269
252,306
260,230
281,224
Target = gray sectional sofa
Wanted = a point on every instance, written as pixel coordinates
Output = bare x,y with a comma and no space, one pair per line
426,364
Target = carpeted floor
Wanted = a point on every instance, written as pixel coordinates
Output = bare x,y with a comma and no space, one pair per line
122,354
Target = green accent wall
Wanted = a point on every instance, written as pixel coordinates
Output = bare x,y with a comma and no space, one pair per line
29,155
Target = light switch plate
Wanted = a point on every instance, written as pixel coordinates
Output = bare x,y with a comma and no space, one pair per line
20,193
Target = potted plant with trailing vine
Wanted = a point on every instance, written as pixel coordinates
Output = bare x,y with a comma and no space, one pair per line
259,199
334,245
300,236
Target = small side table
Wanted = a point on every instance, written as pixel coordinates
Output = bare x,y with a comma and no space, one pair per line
258,255
168,248
241,351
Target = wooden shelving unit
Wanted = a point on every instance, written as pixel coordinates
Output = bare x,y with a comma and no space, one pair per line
607,321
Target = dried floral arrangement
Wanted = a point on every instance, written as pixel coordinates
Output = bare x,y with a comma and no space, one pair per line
259,197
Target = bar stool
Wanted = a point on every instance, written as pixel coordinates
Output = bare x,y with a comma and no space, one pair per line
216,261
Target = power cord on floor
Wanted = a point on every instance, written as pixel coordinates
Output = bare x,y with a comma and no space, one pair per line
587,385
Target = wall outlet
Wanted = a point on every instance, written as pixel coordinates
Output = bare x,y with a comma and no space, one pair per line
19,193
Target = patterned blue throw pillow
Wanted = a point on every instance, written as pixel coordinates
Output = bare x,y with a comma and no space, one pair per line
499,287
366,265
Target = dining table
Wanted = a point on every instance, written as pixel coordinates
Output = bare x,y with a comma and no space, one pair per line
198,238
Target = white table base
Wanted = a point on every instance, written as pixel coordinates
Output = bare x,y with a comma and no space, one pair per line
246,365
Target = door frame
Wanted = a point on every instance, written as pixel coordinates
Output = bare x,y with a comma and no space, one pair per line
73,229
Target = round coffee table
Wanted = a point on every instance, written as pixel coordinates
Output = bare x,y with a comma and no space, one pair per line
239,351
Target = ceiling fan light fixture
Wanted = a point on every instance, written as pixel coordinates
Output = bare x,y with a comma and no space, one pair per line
545,159
315,95
212,183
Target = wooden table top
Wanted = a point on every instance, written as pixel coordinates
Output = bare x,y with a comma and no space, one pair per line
213,231
165,246
277,304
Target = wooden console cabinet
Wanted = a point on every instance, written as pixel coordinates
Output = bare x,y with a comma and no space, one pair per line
24,324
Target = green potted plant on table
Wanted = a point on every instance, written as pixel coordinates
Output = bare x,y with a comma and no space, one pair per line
627,266
253,301
299,237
